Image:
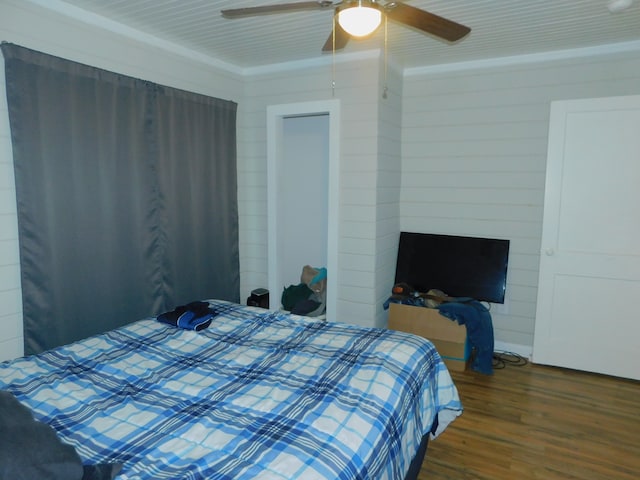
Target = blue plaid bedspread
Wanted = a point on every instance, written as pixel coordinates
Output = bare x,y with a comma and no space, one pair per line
257,395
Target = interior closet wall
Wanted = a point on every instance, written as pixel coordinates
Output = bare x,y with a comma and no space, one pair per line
387,233
302,197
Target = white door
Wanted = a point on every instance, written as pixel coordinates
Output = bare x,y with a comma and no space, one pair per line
588,310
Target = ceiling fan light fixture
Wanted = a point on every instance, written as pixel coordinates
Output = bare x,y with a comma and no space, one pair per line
617,6
360,18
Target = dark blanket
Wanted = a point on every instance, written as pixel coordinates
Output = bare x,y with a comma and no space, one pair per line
192,316
477,318
31,450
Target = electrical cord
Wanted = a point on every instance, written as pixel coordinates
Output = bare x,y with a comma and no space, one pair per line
501,359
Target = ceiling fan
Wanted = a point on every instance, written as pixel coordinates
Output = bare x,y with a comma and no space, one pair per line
398,12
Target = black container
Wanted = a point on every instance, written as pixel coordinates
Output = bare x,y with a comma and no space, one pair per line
259,298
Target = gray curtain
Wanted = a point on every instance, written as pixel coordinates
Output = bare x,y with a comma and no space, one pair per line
126,193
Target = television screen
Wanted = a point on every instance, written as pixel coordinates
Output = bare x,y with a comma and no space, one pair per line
458,266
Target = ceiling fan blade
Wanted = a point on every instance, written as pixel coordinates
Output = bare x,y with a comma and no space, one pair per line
342,38
425,21
278,8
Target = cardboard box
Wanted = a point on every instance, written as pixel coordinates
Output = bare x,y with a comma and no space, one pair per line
449,338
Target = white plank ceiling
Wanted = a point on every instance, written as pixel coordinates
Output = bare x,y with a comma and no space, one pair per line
500,28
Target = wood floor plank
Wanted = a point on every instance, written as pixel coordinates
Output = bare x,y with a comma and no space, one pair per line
538,422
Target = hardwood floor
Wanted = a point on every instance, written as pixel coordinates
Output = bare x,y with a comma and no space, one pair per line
537,422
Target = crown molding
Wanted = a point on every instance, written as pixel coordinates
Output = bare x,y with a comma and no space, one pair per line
99,21
325,60
609,49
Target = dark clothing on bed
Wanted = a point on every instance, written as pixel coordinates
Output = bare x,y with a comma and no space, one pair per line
192,316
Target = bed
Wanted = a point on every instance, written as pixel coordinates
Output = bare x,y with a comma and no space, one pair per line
256,394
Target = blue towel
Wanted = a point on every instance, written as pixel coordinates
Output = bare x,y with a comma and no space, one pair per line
476,317
321,275
192,316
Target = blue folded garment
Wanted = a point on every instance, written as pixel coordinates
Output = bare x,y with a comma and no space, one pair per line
192,316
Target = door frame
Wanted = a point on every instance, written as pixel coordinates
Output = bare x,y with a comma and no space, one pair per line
275,119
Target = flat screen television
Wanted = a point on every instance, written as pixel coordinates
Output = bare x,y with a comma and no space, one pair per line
458,266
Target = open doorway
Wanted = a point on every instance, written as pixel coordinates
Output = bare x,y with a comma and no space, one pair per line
302,186
302,195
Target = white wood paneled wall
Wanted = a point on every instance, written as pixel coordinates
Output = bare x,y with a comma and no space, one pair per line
357,88
388,188
11,338
474,149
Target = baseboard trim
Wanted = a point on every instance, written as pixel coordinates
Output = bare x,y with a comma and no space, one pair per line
525,351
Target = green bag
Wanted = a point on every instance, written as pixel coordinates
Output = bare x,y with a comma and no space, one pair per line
292,294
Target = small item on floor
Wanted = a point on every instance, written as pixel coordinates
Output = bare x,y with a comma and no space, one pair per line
293,294
305,307
259,298
309,297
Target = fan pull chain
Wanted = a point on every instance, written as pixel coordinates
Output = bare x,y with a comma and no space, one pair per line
333,59
385,88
